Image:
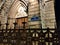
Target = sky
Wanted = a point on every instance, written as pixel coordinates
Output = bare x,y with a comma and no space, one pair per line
57,11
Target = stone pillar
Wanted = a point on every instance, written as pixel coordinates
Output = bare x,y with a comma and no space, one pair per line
48,14
34,14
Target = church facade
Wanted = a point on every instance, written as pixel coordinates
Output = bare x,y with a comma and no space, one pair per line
40,13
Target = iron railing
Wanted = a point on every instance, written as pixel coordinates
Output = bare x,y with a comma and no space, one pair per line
28,36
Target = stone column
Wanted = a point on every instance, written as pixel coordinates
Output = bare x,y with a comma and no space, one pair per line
34,14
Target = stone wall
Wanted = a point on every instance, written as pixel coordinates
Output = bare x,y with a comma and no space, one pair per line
34,14
48,14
